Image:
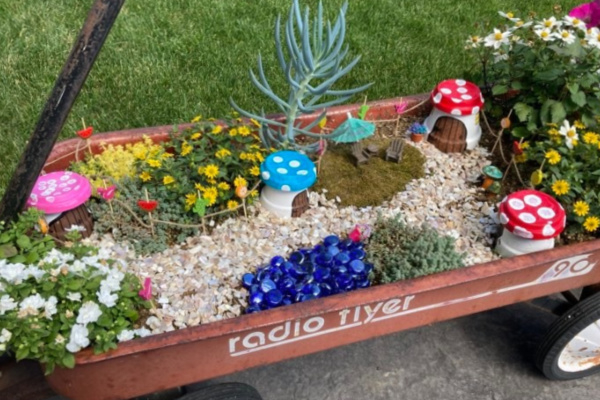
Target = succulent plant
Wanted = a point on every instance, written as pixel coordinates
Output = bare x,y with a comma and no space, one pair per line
314,65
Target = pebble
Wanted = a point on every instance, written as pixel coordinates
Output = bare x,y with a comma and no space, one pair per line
198,281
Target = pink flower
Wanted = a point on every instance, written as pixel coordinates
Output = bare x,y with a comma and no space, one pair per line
588,12
146,292
401,107
354,235
107,193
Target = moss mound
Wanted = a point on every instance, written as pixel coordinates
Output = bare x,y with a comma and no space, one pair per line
369,184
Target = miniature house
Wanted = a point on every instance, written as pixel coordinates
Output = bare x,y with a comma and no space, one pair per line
453,125
62,196
531,221
287,176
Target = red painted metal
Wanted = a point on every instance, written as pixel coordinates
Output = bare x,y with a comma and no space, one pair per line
207,351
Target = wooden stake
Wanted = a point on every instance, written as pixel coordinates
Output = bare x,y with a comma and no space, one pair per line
108,201
150,213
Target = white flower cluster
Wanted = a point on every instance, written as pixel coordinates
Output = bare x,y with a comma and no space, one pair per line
108,287
5,336
127,334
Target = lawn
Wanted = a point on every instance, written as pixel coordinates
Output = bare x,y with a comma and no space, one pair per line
166,61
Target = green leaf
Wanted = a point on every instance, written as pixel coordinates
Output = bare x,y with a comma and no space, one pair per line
68,360
523,111
549,75
578,98
7,250
362,111
200,207
558,112
105,320
516,85
588,120
24,242
545,116
75,284
22,353
573,88
520,132
499,89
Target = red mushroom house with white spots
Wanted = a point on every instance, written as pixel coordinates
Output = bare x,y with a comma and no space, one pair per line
453,124
531,221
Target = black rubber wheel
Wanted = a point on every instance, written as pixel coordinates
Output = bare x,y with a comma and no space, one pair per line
224,391
571,348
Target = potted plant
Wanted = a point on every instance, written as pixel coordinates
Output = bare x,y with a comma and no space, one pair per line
417,132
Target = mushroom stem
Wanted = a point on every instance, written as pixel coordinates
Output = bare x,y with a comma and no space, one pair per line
487,182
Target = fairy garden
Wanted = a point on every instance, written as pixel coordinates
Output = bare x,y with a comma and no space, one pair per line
251,212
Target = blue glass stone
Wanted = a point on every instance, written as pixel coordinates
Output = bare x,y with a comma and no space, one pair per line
324,259
306,297
357,266
296,257
312,257
318,249
252,309
305,251
326,289
254,288
342,258
312,288
277,261
274,298
267,285
357,246
357,254
247,280
287,301
362,283
350,286
345,244
297,272
256,298
368,267
321,274
340,270
298,297
286,267
308,279
333,250
331,240
286,283
343,280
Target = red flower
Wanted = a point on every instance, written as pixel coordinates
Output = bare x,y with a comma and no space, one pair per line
85,133
107,193
355,235
517,148
148,205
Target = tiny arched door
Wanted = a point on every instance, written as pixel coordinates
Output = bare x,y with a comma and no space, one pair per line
449,135
300,204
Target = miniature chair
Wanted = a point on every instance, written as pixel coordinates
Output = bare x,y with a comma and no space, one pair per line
358,154
394,152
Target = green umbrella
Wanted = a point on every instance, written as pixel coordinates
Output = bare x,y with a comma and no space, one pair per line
353,129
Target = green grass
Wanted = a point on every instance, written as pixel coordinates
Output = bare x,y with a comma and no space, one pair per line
166,61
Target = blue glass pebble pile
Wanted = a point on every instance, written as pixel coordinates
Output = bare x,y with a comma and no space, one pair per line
331,267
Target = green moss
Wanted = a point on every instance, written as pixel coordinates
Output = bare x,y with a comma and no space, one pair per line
369,184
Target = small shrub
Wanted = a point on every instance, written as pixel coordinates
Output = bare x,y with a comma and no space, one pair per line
23,241
399,252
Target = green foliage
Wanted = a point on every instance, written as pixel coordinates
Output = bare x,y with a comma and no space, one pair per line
62,304
22,241
547,70
399,252
314,66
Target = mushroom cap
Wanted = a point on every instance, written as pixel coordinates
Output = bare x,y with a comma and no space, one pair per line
289,171
457,97
531,214
60,191
492,171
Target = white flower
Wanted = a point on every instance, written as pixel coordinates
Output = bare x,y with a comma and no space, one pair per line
549,23
50,307
77,266
509,15
34,272
89,313
497,39
574,22
142,332
107,298
473,42
12,273
570,133
566,36
112,282
60,339
75,228
7,303
125,335
78,339
544,34
74,296
5,336
30,305
592,36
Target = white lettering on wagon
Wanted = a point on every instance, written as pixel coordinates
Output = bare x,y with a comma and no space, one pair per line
293,331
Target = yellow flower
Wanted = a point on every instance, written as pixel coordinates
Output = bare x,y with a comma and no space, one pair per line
255,170
140,153
145,176
240,182
186,149
244,131
255,122
253,193
579,125
168,180
553,132
537,177
196,136
200,170
259,157
561,187
248,156
224,186
199,187
217,129
222,153
190,200
197,118
232,204
210,194
211,171
591,138
154,163
521,158
166,155
233,132
581,208
211,181
553,157
243,156
591,224
525,145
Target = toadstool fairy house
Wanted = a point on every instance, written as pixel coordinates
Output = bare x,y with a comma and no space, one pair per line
287,176
453,125
531,220
62,196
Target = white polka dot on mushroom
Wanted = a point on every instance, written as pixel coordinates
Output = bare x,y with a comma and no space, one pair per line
475,110
546,213
503,219
277,159
282,171
520,231
455,100
532,200
527,217
548,230
302,172
466,97
266,175
461,82
437,98
446,91
462,90
516,204
456,111
294,164
285,188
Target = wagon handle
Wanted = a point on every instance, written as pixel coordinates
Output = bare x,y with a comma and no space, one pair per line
95,29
